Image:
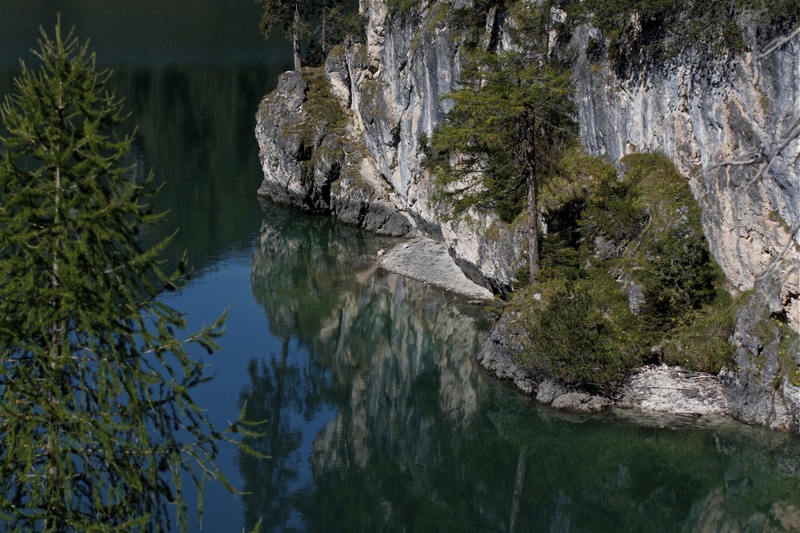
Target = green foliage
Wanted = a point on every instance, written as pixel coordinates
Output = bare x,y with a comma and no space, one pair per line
614,213
478,156
281,13
788,350
403,7
323,23
673,262
334,24
321,105
97,426
661,28
640,231
582,333
509,120
576,175
701,340
658,29
777,12
679,275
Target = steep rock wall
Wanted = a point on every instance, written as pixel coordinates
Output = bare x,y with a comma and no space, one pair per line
698,112
389,88
702,113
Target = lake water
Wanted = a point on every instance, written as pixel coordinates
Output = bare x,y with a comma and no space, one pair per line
377,417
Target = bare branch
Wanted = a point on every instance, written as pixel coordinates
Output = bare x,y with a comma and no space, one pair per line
772,264
778,43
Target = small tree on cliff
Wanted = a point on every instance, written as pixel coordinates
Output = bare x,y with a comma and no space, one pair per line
292,16
507,125
97,428
323,22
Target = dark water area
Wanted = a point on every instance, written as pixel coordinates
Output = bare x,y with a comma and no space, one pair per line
377,417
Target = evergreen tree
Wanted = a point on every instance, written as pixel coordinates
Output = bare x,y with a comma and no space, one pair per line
97,426
323,22
509,120
292,16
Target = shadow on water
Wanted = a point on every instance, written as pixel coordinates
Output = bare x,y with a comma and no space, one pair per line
378,419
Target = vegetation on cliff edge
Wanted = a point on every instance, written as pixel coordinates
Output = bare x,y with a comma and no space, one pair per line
627,278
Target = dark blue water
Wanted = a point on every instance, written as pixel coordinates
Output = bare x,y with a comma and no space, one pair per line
376,416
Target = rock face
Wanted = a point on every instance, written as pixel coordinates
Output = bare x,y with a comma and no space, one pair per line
698,112
701,113
764,388
308,166
388,90
365,166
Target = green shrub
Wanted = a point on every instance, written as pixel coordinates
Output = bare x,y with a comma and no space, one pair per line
679,275
702,339
613,212
559,259
582,334
665,28
579,328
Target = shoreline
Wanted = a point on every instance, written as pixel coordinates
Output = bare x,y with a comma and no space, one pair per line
657,389
650,389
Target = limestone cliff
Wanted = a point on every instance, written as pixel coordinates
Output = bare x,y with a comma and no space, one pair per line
701,114
389,90
363,164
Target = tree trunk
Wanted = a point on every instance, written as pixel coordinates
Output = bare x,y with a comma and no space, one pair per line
533,193
296,38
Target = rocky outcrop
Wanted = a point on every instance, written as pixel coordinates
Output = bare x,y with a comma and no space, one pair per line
310,164
765,388
388,90
657,389
364,164
429,261
699,112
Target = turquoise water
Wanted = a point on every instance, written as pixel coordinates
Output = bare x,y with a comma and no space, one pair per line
377,417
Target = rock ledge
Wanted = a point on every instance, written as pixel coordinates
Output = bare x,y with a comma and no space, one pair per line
429,261
655,389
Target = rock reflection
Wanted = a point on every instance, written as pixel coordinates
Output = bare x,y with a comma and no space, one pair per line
378,420
391,356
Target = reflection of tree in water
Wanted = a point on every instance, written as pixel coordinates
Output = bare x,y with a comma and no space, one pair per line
371,338
514,466
300,268
421,441
280,392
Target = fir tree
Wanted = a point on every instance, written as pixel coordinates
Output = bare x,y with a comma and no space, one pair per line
291,15
97,426
323,22
509,120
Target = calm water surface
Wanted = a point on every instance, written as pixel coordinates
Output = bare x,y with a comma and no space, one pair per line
377,418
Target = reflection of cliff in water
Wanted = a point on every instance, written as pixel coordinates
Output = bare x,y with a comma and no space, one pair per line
403,348
378,420
318,282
